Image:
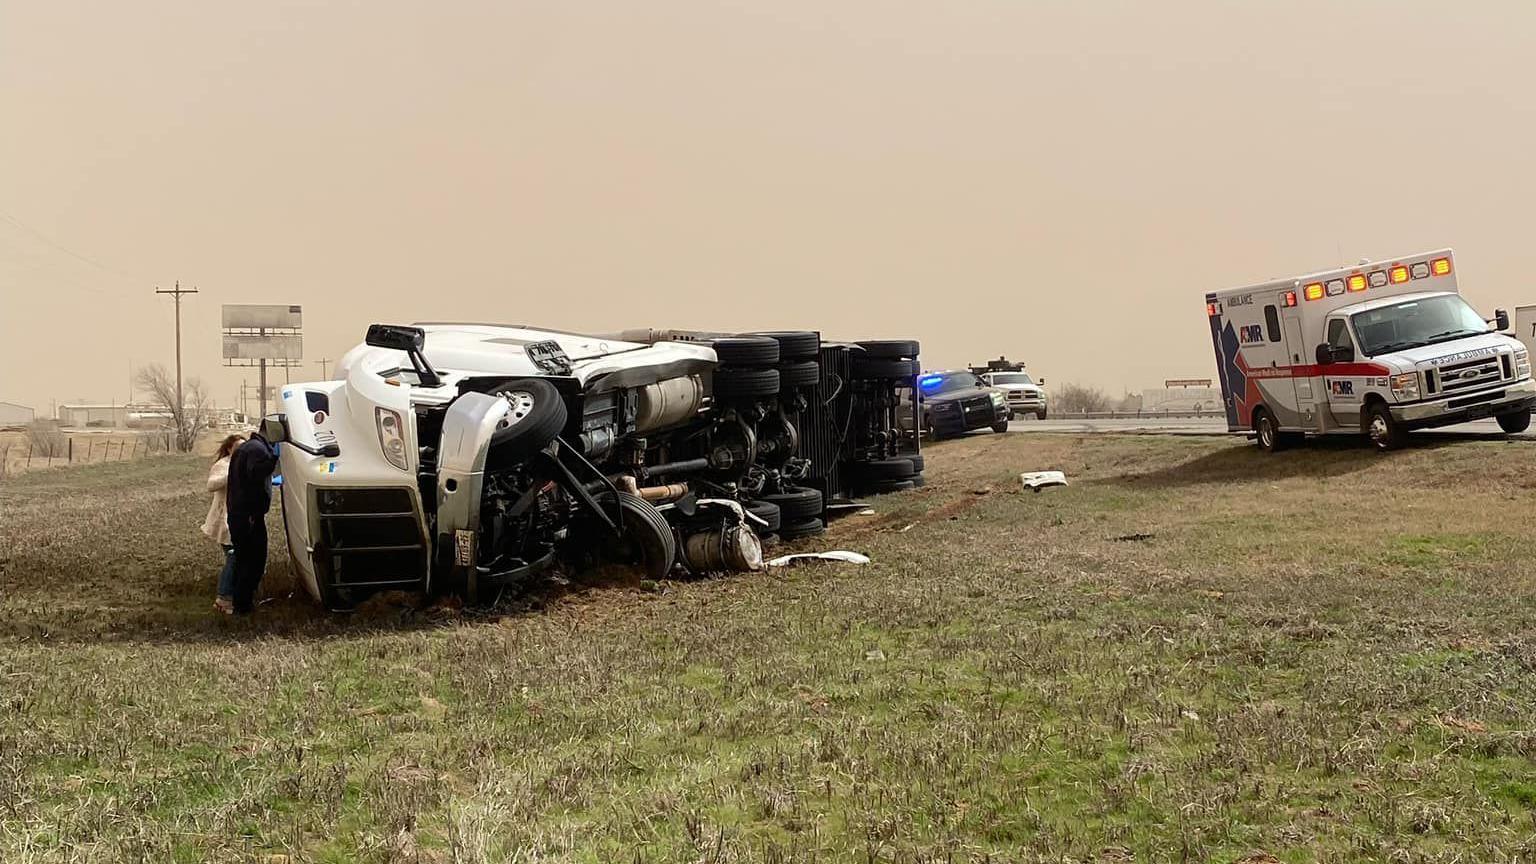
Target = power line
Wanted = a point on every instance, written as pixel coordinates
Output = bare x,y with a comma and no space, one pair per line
86,259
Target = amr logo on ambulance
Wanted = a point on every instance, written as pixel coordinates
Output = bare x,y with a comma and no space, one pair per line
1378,348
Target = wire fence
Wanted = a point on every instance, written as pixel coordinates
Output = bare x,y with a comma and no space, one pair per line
32,454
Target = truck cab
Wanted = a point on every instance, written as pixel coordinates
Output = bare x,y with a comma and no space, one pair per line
1377,349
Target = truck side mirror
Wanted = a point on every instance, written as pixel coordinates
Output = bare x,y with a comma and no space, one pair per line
1042,382
1501,319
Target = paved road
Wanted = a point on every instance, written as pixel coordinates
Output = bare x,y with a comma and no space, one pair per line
1215,426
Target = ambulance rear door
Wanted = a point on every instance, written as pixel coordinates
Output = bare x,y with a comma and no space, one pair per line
1266,353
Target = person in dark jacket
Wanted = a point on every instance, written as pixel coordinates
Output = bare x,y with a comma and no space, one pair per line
249,497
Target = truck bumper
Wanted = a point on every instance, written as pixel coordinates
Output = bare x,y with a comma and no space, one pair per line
1516,397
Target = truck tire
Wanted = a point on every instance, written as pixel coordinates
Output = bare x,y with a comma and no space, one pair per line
746,351
880,470
797,504
806,528
768,512
1000,427
890,349
1515,422
1040,415
795,344
881,368
1266,432
538,414
800,373
745,383
1382,430
648,540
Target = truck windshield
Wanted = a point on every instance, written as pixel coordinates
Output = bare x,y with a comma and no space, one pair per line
1417,322
1011,378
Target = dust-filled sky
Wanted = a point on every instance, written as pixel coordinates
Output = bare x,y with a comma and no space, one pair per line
1056,181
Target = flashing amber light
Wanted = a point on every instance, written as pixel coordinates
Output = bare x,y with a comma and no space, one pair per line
1290,298
1313,291
1440,266
1357,282
1398,274
1210,309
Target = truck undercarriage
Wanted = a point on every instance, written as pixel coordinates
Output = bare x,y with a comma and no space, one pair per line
461,457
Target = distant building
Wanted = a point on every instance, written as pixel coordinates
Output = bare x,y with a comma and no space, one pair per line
134,415
12,414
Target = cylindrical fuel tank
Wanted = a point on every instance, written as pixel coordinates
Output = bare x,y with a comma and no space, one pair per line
668,403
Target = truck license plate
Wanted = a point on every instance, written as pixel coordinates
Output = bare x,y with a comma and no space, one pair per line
464,548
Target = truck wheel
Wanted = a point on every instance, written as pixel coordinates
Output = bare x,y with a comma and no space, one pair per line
740,383
889,348
1000,427
795,344
801,373
768,512
1384,432
1519,421
1040,415
648,541
807,528
880,368
878,470
746,351
537,416
1266,432
797,504
888,486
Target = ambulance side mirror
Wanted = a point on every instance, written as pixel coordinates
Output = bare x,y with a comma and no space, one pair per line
1324,354
1327,354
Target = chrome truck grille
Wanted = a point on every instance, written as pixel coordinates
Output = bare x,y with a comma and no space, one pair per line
1469,376
369,537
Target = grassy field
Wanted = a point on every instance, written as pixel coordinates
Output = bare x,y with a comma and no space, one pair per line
1194,653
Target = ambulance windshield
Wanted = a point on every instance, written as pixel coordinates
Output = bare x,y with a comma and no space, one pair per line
1415,323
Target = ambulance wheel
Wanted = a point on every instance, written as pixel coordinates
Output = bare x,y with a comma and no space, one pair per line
1267,432
1384,432
1519,421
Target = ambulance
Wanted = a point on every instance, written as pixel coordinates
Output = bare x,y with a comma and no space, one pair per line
1377,349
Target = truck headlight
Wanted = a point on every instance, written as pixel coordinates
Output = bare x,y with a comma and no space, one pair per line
392,437
1406,386
1522,363
998,398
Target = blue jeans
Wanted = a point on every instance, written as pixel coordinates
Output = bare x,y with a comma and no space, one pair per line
227,575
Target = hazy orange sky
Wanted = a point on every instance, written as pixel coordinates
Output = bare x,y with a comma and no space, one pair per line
1057,181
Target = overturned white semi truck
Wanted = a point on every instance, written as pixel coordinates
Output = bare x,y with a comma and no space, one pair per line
457,457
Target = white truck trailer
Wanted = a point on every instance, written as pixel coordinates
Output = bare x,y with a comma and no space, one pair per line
1378,349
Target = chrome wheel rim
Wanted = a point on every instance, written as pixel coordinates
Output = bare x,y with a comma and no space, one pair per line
1266,433
519,404
1379,429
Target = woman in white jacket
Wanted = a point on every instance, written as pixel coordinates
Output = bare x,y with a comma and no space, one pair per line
216,526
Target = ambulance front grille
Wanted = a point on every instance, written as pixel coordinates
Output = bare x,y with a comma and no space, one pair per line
1465,377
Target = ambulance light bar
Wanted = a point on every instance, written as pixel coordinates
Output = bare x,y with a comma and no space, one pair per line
1357,282
1397,274
1290,298
1378,278
1440,266
1313,291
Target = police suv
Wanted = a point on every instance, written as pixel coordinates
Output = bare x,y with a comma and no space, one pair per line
1376,349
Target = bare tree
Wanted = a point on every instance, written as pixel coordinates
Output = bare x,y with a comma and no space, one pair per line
46,439
1080,399
189,415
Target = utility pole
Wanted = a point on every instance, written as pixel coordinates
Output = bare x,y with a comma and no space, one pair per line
323,361
177,292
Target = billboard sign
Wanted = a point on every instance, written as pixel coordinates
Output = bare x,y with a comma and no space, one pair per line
243,316
272,346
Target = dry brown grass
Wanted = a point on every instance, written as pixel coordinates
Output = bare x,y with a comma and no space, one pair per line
1195,652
